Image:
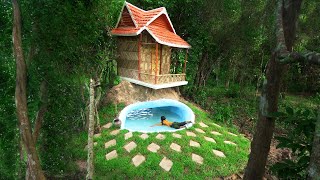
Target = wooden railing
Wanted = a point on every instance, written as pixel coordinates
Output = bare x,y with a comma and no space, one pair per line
150,78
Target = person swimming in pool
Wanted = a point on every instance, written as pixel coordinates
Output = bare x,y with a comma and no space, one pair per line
176,125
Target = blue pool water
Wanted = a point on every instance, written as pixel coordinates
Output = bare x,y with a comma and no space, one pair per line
140,116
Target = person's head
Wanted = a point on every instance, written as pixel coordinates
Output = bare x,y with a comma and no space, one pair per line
162,119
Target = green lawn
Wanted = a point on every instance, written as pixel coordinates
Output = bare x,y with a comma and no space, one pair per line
183,166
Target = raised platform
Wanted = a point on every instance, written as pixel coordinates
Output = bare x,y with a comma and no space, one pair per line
155,86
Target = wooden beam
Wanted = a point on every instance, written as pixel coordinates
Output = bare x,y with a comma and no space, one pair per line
185,62
155,77
139,56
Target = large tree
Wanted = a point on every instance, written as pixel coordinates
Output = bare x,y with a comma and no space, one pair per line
287,14
33,162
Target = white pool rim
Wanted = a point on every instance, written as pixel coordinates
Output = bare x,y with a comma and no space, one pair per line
185,112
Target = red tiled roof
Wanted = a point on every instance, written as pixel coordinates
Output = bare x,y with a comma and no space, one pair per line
143,21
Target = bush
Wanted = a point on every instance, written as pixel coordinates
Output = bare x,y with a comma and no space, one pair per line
299,140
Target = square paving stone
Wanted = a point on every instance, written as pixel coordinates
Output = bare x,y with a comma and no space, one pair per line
130,146
111,155
218,153
196,158
138,159
199,130
153,147
115,132
189,133
229,142
232,134
216,133
209,139
110,143
128,135
107,126
144,136
166,164
175,147
217,125
203,125
176,135
194,144
161,136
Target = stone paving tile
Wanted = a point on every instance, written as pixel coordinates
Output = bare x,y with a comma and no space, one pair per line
107,126
196,158
217,125
115,132
232,134
130,146
144,136
216,133
110,143
176,135
203,125
161,136
111,155
229,142
138,159
175,147
97,135
194,144
218,153
209,139
128,135
189,133
166,164
153,147
199,130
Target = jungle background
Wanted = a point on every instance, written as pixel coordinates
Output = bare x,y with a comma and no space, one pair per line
68,42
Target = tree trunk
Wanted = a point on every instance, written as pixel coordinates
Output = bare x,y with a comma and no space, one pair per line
90,167
314,166
21,98
96,104
260,145
287,14
42,110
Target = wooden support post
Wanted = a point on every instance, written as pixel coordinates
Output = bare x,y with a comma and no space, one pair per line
185,62
155,77
139,56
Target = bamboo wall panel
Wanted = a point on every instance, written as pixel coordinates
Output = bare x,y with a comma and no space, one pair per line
127,53
129,73
165,59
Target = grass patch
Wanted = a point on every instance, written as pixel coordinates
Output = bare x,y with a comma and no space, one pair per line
183,166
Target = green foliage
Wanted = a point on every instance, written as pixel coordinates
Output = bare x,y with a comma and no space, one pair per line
225,104
298,139
9,156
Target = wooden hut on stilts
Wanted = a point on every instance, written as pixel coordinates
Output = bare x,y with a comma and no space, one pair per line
145,41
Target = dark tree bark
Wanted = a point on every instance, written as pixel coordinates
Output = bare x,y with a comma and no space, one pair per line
314,166
287,14
204,70
42,110
34,167
90,167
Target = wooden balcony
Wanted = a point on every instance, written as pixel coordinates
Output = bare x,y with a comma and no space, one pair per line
151,80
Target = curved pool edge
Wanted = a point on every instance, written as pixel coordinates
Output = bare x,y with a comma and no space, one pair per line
154,104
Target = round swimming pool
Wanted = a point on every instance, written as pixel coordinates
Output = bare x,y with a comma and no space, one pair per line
140,116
